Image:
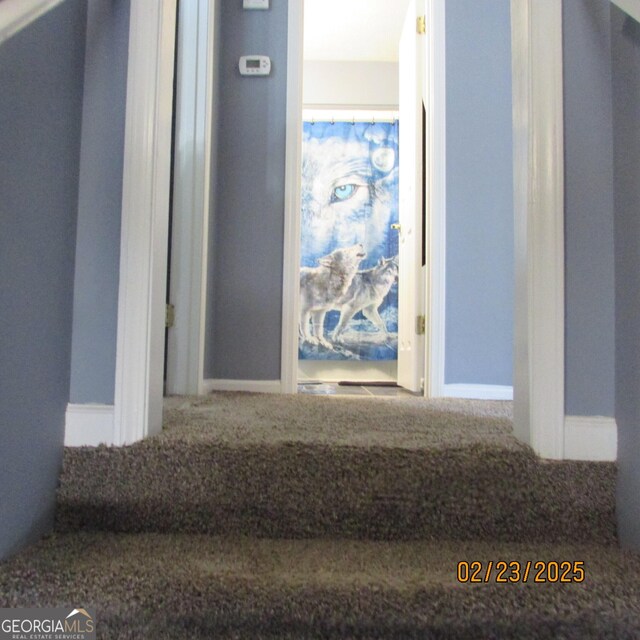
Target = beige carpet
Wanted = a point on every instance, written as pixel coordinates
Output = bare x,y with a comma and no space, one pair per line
181,587
269,517
403,422
308,466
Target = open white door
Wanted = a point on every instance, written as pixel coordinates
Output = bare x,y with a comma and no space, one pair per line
411,345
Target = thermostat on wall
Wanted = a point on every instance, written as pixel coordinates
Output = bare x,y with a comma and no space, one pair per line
255,65
255,4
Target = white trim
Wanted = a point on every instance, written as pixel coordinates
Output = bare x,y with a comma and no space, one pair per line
631,7
520,45
253,386
539,225
435,83
293,146
338,370
436,160
15,15
192,176
88,425
144,233
478,391
590,438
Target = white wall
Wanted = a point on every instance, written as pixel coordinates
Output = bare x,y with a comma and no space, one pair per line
354,84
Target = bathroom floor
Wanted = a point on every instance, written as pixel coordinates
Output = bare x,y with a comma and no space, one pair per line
334,388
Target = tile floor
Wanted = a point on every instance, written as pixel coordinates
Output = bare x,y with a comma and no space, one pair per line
333,388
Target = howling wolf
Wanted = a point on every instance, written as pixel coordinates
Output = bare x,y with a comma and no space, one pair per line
322,286
366,293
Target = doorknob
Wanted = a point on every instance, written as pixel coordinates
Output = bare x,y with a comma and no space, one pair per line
396,226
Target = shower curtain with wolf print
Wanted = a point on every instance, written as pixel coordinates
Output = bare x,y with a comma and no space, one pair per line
349,252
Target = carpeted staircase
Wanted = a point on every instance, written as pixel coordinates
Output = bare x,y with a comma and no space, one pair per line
264,516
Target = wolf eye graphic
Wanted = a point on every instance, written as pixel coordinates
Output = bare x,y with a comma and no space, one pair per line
344,192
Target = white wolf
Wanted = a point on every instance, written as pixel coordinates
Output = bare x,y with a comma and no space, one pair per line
366,293
322,286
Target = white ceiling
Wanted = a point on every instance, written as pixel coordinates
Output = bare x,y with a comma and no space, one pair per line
353,29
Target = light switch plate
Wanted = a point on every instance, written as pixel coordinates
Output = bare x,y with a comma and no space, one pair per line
255,4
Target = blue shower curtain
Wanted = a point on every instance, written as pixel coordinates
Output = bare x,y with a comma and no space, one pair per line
348,276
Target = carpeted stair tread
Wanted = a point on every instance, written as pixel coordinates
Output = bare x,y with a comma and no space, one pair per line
178,586
247,419
304,467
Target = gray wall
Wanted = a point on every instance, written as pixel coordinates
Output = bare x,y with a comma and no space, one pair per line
244,305
41,75
625,34
95,310
589,273
479,246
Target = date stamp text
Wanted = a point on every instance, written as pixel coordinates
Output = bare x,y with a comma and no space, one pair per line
515,571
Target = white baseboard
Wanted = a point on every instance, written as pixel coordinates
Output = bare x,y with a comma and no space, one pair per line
477,391
255,386
89,425
590,438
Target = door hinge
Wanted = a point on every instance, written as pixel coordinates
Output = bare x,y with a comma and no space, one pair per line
421,24
421,325
169,316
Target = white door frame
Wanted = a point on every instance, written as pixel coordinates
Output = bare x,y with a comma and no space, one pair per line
191,197
144,232
293,163
539,225
436,201
436,198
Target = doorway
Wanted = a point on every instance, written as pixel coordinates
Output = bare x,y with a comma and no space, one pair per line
350,135
536,114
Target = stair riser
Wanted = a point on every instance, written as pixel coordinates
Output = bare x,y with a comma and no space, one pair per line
301,491
178,587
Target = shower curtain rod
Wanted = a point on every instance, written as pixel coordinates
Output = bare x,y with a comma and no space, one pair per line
351,120
348,115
